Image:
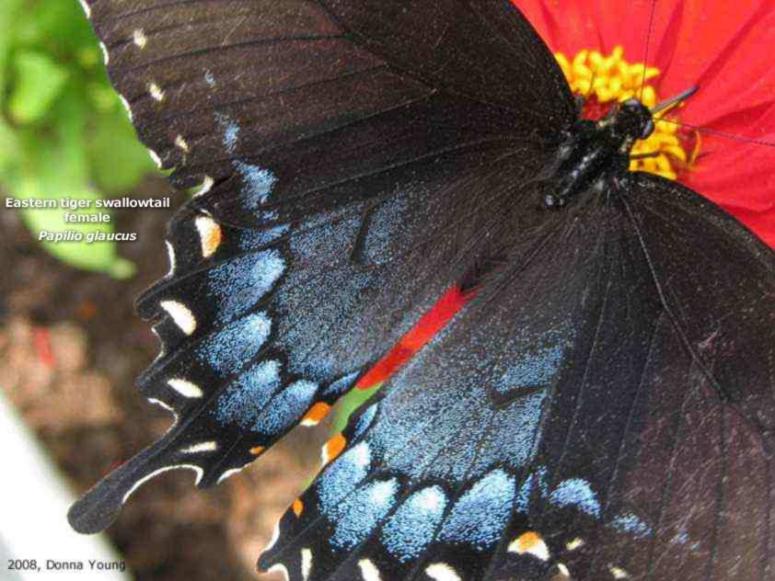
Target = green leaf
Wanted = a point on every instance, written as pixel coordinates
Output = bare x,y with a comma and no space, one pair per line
9,16
39,80
64,133
9,151
118,160
58,26
55,169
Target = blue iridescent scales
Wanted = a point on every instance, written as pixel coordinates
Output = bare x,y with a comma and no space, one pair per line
260,399
264,325
415,488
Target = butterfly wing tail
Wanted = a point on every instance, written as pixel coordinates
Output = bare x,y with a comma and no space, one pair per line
100,506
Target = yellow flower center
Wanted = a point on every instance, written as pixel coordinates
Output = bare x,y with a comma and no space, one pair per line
605,80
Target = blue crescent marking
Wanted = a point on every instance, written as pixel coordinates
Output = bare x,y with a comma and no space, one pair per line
576,492
237,343
361,512
240,283
287,407
480,515
244,400
412,527
343,476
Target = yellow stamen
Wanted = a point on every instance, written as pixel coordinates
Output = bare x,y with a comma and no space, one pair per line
608,79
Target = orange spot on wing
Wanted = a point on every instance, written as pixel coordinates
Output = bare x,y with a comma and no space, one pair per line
316,414
530,543
333,448
425,329
297,507
212,241
257,450
528,540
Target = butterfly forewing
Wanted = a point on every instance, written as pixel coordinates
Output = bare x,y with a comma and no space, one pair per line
345,188
216,87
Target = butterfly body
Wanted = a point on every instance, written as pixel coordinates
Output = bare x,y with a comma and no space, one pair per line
359,158
595,153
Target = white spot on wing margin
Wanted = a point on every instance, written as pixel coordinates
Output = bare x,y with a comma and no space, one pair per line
275,536
182,144
211,446
126,105
229,473
619,573
155,157
144,479
185,388
162,350
161,404
207,184
442,572
369,571
139,38
105,55
181,314
156,92
279,568
306,563
171,256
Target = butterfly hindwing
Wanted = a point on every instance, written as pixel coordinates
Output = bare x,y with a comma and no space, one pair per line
277,323
578,435
451,435
687,489
717,278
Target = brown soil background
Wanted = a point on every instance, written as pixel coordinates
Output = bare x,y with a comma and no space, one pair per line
71,346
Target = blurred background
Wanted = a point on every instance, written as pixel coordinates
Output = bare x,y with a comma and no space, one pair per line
70,342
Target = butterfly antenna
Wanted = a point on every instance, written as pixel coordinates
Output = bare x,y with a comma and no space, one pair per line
646,53
716,132
668,104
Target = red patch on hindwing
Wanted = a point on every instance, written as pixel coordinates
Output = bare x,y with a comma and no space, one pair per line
426,328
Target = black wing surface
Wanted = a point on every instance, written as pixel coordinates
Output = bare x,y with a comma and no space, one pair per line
339,88
348,154
602,412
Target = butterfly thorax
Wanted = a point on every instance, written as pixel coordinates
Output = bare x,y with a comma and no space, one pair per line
594,152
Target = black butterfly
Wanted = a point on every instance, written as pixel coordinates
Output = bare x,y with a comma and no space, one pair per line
601,408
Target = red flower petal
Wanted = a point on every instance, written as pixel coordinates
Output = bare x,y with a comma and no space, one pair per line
722,53
740,179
